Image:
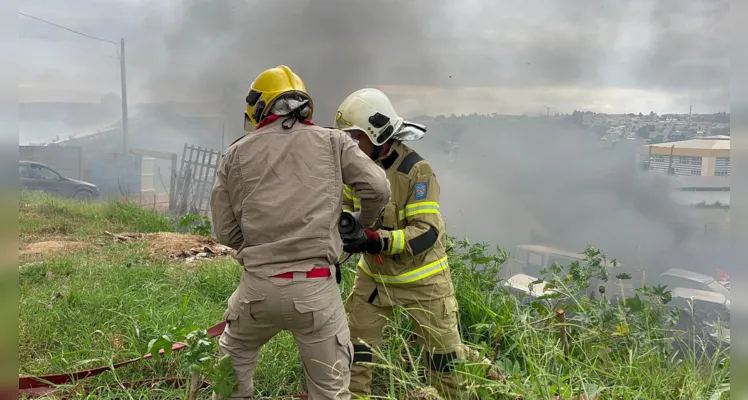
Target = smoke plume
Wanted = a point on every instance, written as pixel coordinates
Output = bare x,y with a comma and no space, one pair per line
508,179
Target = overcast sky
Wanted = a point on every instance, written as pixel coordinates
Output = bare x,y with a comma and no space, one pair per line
435,57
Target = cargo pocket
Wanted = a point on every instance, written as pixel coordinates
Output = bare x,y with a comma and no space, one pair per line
345,347
389,217
318,309
252,307
450,315
231,316
242,306
450,306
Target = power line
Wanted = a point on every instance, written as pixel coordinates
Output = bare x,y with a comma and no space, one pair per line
68,29
82,49
120,49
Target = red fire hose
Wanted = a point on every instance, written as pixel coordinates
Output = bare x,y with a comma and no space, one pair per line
37,386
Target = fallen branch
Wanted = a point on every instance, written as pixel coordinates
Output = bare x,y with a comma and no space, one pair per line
124,238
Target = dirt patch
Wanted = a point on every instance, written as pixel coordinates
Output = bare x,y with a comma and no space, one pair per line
28,214
50,246
117,341
178,246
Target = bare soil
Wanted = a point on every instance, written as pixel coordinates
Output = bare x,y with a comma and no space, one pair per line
180,246
50,246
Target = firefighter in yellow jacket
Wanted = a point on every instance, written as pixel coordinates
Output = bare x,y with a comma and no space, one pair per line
404,259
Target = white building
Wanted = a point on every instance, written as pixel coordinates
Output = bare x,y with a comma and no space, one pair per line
707,156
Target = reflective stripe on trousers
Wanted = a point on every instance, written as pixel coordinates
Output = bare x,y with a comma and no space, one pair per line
410,276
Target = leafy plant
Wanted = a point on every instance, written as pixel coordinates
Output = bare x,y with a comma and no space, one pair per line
195,224
199,358
575,278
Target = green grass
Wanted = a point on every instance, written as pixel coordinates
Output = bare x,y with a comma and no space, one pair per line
45,215
115,299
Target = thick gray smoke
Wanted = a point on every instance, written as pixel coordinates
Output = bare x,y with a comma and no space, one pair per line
218,47
544,180
509,179
335,46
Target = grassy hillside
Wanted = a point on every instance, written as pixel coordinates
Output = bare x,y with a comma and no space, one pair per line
90,298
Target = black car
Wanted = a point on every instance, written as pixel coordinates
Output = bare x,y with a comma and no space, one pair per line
37,176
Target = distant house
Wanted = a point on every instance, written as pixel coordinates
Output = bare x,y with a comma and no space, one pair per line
46,113
159,127
155,127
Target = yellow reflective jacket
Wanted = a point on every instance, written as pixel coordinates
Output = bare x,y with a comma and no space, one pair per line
413,232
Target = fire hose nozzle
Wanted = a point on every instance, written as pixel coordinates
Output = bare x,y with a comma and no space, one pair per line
348,225
350,230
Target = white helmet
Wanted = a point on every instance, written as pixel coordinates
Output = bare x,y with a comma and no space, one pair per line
369,110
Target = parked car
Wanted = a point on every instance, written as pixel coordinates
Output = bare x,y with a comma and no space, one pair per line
37,176
704,301
676,277
523,284
531,259
708,312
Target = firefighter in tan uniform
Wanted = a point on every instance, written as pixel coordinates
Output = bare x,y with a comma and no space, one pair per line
277,201
404,261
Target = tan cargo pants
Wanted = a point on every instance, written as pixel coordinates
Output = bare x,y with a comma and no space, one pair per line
312,310
369,308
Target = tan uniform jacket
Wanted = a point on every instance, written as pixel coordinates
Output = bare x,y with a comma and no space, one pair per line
277,196
411,226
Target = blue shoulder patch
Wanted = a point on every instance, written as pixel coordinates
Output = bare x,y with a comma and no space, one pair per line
422,190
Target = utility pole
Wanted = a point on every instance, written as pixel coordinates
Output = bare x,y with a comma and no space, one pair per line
123,78
121,47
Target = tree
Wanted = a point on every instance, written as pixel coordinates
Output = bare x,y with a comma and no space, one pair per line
656,139
643,132
577,118
601,129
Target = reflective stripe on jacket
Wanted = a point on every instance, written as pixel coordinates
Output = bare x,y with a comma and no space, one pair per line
411,226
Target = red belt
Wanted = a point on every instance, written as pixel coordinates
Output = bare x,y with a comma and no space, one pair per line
314,273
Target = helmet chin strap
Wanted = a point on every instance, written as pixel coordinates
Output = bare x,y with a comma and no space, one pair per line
377,152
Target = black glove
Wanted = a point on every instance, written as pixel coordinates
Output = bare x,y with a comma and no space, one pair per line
369,242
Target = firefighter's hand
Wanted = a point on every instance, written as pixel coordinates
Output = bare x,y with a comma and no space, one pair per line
355,246
370,242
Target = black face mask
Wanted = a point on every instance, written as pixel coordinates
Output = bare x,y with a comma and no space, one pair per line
252,100
377,152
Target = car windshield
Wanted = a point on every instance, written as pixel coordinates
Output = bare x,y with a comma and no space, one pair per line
23,171
44,173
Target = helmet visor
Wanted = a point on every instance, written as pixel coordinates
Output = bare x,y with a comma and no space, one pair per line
252,97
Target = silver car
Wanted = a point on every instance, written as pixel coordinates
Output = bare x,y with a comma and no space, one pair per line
681,278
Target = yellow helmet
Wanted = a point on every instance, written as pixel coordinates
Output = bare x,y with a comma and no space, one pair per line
266,88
